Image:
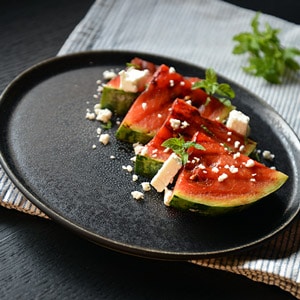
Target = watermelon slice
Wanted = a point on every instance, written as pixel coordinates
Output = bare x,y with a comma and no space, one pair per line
150,109
191,121
115,98
215,181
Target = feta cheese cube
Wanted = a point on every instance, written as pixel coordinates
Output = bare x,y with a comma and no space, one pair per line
166,173
131,79
238,122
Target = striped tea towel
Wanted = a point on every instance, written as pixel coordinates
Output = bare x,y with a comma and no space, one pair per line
199,32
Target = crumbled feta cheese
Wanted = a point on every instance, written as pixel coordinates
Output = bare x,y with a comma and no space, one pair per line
90,116
236,155
104,115
97,107
215,169
175,123
137,195
268,155
172,83
128,168
146,186
159,115
99,130
237,144
135,177
197,159
144,105
233,169
184,124
242,148
109,74
131,79
104,138
238,121
167,196
172,70
201,167
250,163
139,149
222,177
166,173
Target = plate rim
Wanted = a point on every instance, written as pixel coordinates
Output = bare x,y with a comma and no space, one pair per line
109,243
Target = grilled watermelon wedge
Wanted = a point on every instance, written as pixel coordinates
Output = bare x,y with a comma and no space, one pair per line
115,98
215,181
191,121
149,111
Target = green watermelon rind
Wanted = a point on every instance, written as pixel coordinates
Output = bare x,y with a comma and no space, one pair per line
117,100
203,209
204,206
147,166
127,134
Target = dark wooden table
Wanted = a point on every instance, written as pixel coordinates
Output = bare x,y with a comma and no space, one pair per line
41,260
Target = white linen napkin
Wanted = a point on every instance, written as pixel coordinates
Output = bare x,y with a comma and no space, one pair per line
199,32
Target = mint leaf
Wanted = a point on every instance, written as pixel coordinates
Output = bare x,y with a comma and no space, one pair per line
267,58
179,146
210,85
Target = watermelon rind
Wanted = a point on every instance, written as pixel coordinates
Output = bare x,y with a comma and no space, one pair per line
147,166
117,100
214,205
125,133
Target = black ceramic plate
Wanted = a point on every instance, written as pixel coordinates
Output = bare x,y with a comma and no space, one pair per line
46,149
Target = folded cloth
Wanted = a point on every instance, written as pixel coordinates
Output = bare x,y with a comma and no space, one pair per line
199,32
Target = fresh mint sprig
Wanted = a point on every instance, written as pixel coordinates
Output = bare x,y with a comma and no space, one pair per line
210,85
180,147
267,58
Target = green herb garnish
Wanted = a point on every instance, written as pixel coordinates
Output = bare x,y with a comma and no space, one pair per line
131,65
180,147
210,85
107,125
267,57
